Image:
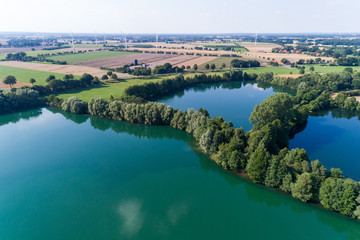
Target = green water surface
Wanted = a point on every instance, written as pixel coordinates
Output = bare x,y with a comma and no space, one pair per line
65,176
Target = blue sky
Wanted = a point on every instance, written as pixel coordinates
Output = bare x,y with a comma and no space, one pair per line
185,16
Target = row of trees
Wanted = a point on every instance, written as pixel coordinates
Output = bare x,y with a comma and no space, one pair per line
152,90
237,63
21,56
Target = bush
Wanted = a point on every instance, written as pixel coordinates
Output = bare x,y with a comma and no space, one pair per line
75,105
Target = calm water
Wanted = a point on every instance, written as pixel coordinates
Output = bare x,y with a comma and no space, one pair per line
333,138
233,101
65,176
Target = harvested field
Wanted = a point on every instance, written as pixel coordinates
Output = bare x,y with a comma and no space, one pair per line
267,47
174,60
120,61
17,85
198,60
64,69
279,56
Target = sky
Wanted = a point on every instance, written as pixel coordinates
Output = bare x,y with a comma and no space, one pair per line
184,16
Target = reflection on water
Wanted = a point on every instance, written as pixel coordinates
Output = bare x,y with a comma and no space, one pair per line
333,137
132,217
234,101
116,180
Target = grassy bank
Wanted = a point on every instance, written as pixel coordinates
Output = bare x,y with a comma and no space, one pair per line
24,75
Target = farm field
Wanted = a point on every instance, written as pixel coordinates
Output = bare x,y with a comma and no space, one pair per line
116,89
89,56
24,75
329,69
218,61
267,47
105,90
120,61
279,56
198,60
63,69
186,60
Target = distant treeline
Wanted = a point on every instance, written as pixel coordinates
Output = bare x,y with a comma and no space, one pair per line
337,41
18,43
22,56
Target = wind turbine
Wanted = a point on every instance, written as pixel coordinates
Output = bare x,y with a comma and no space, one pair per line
96,42
256,36
72,41
125,42
157,42
104,39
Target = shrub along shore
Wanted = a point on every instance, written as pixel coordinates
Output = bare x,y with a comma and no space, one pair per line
261,153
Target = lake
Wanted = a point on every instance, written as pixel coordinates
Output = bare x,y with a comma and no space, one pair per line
333,137
66,176
234,101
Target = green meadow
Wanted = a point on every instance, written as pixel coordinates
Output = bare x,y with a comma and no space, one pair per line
24,75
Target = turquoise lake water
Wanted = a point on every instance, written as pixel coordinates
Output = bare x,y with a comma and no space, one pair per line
65,176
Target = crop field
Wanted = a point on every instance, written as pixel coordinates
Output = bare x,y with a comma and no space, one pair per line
63,69
89,56
120,61
186,60
24,75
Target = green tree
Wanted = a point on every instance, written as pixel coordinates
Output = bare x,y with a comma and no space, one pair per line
32,81
257,165
303,187
207,66
104,77
286,183
339,195
278,106
195,67
9,80
312,68
109,73
284,60
114,76
223,65
357,211
302,71
50,78
213,66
